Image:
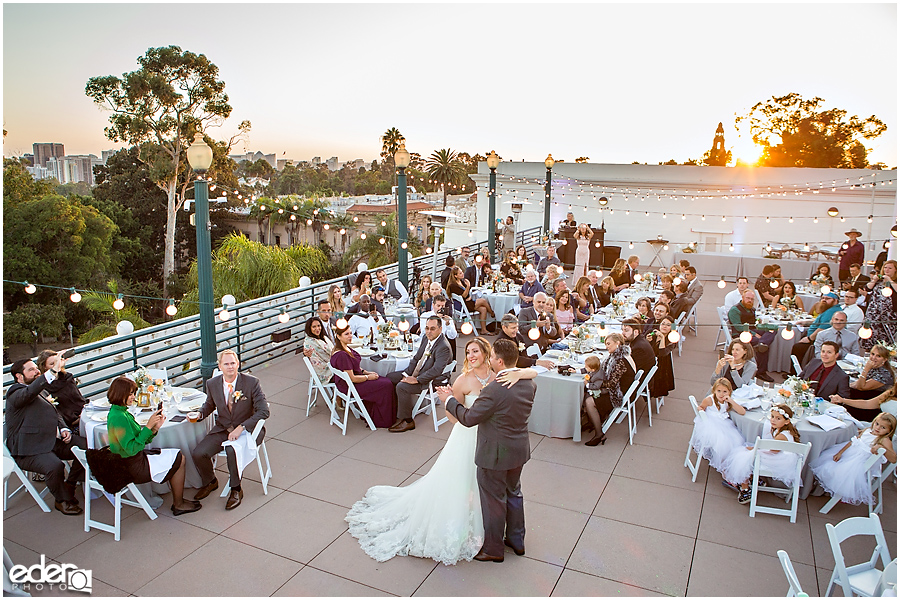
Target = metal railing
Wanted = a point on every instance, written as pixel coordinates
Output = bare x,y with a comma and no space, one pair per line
175,346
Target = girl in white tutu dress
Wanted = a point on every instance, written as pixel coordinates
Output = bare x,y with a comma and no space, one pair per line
839,468
715,434
738,466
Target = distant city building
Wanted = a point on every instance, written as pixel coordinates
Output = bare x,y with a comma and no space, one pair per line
44,151
28,158
69,169
283,162
356,164
316,161
332,163
105,154
39,172
253,157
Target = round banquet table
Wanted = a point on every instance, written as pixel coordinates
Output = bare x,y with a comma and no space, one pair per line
385,365
780,348
501,302
183,436
751,425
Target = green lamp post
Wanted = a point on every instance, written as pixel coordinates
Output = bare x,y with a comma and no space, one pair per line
493,161
547,190
401,161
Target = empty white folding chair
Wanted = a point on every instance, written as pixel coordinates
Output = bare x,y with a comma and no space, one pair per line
352,402
533,350
796,363
861,579
724,327
261,452
118,500
794,590
693,467
873,484
626,410
428,393
678,326
155,374
877,482
692,317
643,391
793,492
316,387
888,580
759,300
10,468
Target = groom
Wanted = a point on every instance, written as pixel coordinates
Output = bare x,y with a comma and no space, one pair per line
502,449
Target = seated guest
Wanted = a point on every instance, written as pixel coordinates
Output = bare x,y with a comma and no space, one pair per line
581,300
522,256
667,282
605,291
69,401
683,264
336,300
762,285
550,278
377,392
659,312
695,288
827,376
463,261
734,296
529,288
876,376
362,285
239,403
644,309
777,278
823,276
366,319
378,299
435,290
550,259
475,273
422,295
510,268
128,440
881,308
744,314
681,303
537,316
856,279
326,317
554,323
632,268
855,316
318,347
641,351
619,275
426,366
788,297
675,271
830,303
509,330
618,370
37,436
666,297
838,332
663,380
392,287
737,366
457,284
449,263
867,410
565,312
439,303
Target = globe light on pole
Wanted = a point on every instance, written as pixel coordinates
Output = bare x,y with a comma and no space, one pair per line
124,328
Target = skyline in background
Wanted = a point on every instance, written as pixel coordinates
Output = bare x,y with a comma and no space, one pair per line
615,83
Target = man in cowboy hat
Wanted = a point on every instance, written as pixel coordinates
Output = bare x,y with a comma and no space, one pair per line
851,252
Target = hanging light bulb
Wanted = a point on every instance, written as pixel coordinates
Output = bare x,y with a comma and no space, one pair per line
865,332
826,289
309,221
806,247
721,283
774,284
788,332
119,304
74,296
886,292
171,309
731,248
790,219
404,245
815,219
745,335
224,315
403,325
665,246
30,288
630,245
534,333
284,317
383,223
362,236
341,323
381,241
673,336
676,281
356,219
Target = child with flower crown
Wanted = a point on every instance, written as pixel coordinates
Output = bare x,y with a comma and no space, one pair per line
839,468
738,466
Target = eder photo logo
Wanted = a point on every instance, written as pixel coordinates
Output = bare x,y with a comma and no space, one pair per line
55,577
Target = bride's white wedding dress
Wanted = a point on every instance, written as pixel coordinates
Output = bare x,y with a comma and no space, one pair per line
438,516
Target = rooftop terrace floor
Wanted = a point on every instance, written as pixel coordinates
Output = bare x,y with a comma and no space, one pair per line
614,520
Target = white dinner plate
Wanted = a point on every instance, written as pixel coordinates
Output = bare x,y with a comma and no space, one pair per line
365,352
355,344
553,353
189,405
405,305
401,354
100,403
100,417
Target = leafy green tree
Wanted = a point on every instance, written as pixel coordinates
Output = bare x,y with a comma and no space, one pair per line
80,188
46,320
390,143
374,252
102,304
19,185
345,222
161,105
445,168
794,132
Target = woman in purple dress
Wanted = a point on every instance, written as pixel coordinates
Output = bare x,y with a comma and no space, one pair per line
377,392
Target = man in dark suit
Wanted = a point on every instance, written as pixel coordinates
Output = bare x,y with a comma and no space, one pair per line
830,378
427,365
682,302
501,451
325,315
641,350
694,287
538,313
38,438
241,403
475,272
509,330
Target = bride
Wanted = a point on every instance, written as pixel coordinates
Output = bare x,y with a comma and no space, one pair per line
438,516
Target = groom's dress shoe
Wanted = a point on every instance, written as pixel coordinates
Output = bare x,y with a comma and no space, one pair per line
518,551
485,557
234,499
402,425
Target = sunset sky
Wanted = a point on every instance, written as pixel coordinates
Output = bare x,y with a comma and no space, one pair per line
616,83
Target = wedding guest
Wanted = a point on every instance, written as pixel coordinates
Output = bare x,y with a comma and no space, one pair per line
435,290
538,316
508,236
659,312
856,279
666,297
529,288
326,317
581,300
695,287
362,285
681,303
823,276
667,282
876,376
392,287
522,256
422,295
830,303
881,310
565,312
377,300
605,291
852,251
365,319
737,366
377,392
509,330
847,341
69,401
449,263
129,440
632,269
762,285
620,275
855,316
318,347
761,336
553,340
827,375
457,284
510,268
552,274
475,273
641,352
462,261
644,308
675,271
734,296
550,259
438,303
336,300
866,410
619,370
663,380
788,297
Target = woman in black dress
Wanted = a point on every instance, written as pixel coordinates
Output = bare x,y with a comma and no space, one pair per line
663,380
457,284
69,401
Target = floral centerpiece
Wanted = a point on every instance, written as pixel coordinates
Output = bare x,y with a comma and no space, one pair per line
147,386
796,391
580,337
385,328
891,348
786,303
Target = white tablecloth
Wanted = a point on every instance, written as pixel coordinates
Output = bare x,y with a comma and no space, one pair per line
797,271
557,405
501,303
385,365
712,265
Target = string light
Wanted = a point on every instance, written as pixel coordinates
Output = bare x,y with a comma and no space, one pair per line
119,304
745,335
74,296
466,328
674,336
886,292
865,332
788,332
403,325
341,323
721,283
171,309
826,289
284,317
30,288
534,333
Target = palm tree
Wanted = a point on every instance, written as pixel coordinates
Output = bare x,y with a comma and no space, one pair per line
102,302
390,143
445,168
345,222
374,252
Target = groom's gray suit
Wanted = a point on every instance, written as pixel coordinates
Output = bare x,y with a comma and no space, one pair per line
503,448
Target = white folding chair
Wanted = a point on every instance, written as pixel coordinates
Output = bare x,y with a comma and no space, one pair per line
155,374
644,391
793,493
692,316
861,579
431,407
693,467
877,482
316,387
11,468
873,484
794,590
119,499
759,300
796,363
463,311
533,350
679,327
724,327
626,410
888,580
261,451
352,402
